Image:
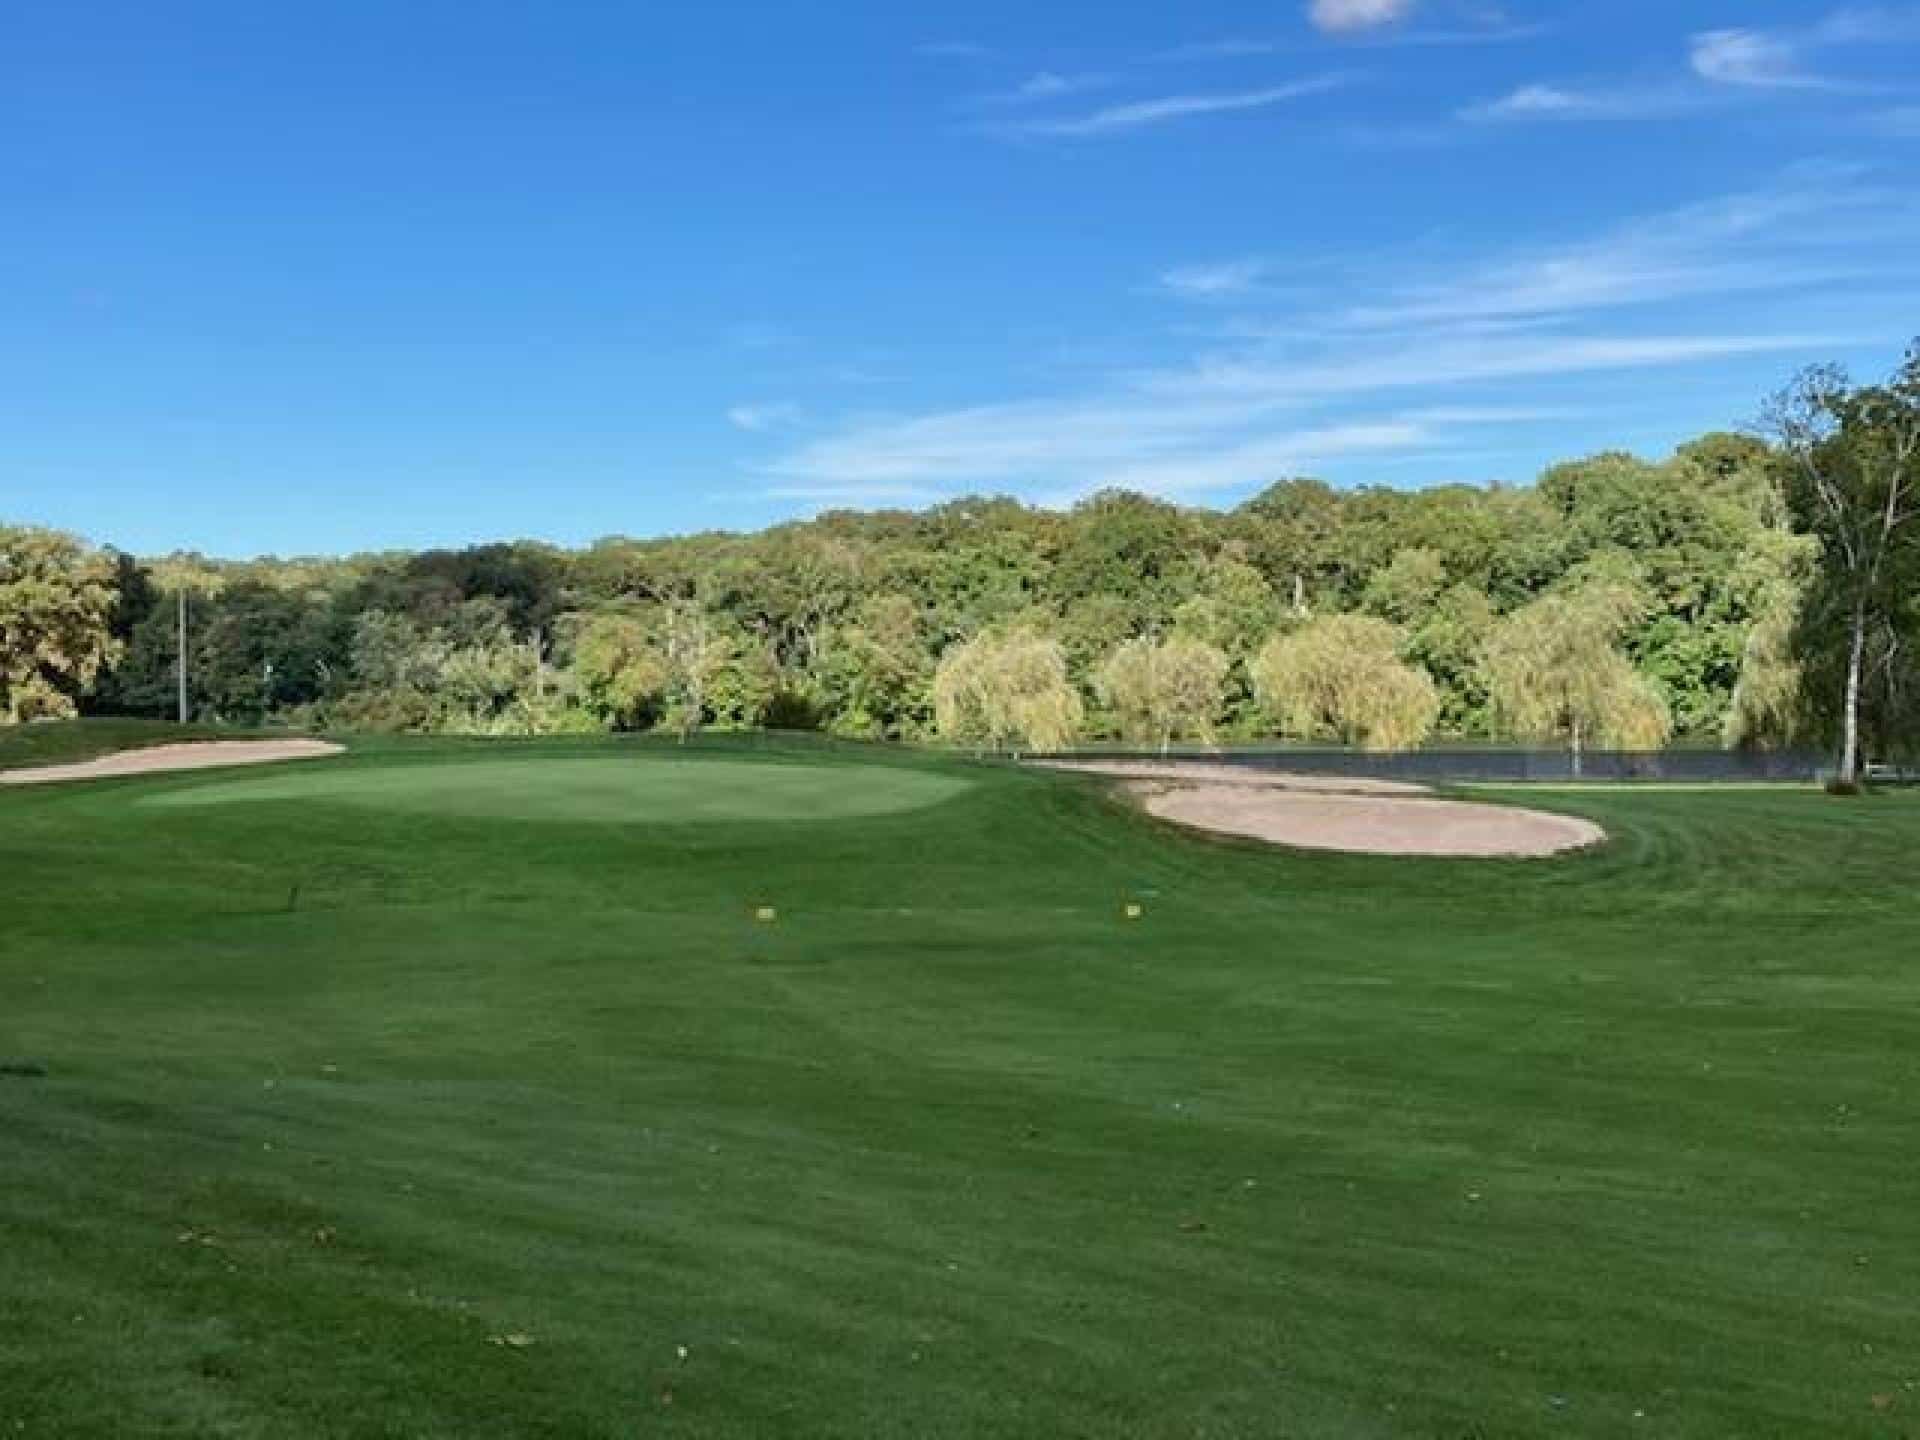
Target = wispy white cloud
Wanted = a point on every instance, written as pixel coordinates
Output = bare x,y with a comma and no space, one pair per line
1447,362
1779,59
1802,230
1141,114
1559,102
1427,370
1529,100
1344,15
1023,440
766,415
1480,28
1042,86
1253,461
1225,279
1755,58
1721,65
1072,447
1217,423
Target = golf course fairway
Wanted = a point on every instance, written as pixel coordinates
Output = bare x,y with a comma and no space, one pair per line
602,1089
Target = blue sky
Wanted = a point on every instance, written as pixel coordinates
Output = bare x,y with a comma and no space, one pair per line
355,275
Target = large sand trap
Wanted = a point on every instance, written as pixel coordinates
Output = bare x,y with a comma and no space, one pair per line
1210,772
1372,817
188,755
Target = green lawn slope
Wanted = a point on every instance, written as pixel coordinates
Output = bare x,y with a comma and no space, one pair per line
482,1113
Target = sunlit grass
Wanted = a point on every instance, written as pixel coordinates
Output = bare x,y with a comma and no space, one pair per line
1013,1114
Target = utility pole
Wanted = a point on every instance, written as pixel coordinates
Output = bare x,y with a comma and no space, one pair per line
183,655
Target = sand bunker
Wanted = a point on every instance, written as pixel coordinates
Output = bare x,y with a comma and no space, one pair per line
189,755
1209,772
1373,817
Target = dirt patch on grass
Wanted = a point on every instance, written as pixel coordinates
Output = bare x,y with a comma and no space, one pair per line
1358,815
159,759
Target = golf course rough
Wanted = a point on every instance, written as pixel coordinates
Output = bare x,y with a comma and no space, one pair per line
628,790
446,1110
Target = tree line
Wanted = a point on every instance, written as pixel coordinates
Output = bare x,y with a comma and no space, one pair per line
1753,590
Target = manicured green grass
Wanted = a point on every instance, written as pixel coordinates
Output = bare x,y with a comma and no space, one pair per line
364,1120
61,742
657,789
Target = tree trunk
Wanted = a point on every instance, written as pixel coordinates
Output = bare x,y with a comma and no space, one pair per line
1576,749
1850,719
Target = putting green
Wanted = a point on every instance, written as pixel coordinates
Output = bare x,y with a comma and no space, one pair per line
622,790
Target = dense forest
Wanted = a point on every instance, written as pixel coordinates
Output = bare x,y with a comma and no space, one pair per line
1744,591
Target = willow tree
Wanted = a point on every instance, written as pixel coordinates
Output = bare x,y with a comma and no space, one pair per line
1163,690
1765,708
1853,479
1343,675
57,599
1768,705
1555,669
1007,690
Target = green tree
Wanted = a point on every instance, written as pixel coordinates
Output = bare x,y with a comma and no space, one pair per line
57,611
1445,640
716,672
1852,462
1127,548
620,670
1409,587
880,676
1233,608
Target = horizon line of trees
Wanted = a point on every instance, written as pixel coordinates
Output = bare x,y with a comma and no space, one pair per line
1745,590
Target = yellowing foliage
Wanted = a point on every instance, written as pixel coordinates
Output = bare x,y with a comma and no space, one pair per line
1343,675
